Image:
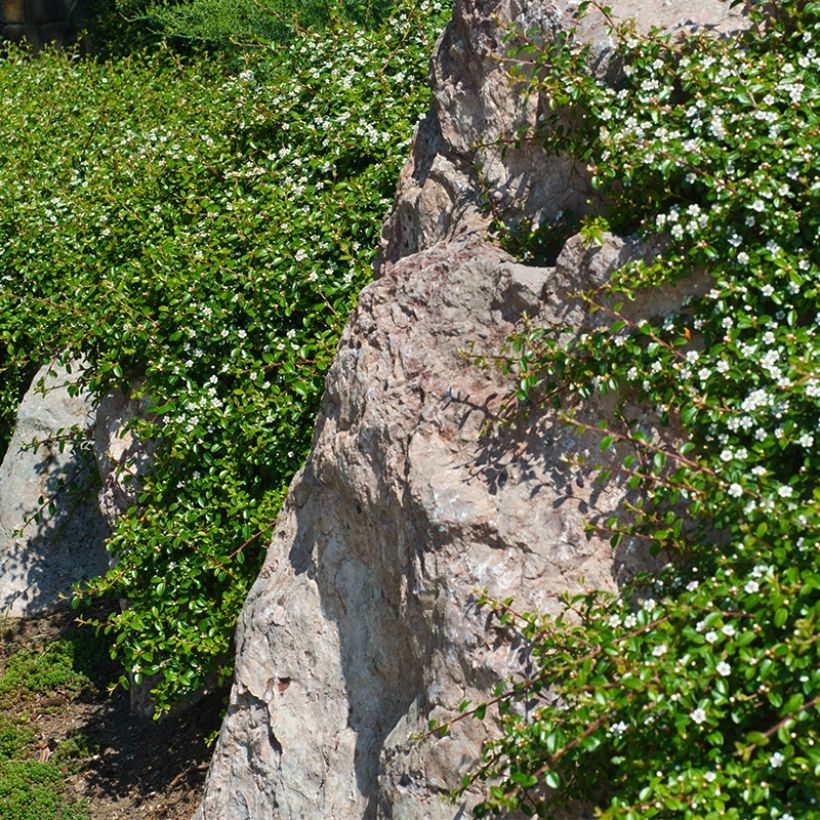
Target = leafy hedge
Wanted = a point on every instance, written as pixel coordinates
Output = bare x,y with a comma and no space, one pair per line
696,693
240,22
202,235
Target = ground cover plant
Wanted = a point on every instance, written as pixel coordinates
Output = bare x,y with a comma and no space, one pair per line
71,751
38,676
695,693
244,22
199,236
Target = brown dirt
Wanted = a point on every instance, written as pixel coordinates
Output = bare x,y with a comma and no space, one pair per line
137,768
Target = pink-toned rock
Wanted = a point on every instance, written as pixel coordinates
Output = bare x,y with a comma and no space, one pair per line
362,623
464,152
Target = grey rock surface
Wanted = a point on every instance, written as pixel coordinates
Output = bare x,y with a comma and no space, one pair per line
122,458
40,22
41,558
464,151
362,622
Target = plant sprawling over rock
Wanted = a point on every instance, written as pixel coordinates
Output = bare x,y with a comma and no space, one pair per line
695,693
200,238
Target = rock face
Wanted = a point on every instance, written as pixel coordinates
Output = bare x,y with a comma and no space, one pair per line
122,458
362,623
41,559
464,152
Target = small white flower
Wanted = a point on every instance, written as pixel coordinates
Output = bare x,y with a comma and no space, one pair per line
660,650
743,258
735,490
751,587
726,455
711,636
723,668
785,491
692,586
709,777
698,716
728,630
776,760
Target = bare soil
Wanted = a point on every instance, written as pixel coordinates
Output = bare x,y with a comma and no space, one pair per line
129,767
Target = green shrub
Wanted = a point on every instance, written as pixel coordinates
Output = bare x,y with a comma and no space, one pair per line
42,670
32,791
206,234
224,22
695,693
15,736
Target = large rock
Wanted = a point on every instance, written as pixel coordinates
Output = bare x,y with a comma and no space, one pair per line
122,457
465,153
51,530
362,621
39,22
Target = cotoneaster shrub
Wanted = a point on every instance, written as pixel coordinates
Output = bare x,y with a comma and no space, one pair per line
200,238
239,22
695,693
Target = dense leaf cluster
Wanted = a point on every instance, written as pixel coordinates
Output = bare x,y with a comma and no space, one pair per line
199,238
241,22
696,693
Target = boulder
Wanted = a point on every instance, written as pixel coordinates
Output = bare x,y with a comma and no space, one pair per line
122,458
363,624
122,461
466,154
51,531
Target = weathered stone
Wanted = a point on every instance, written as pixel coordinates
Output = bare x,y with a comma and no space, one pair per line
466,152
362,622
42,21
51,530
122,458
